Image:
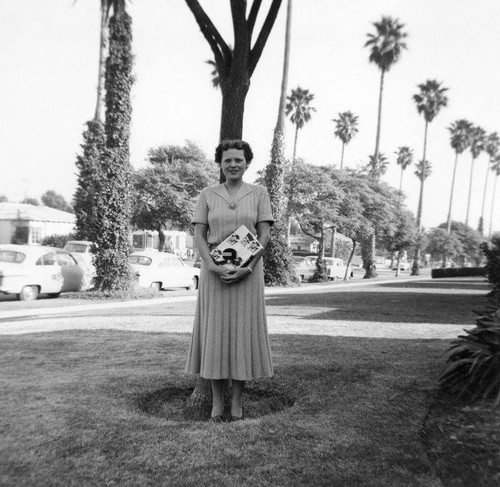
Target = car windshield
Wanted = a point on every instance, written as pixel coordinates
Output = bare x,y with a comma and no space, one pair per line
11,256
139,259
73,247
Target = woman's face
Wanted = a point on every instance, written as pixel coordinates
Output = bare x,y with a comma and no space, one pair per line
233,164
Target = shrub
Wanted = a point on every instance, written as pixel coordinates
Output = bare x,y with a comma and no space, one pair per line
474,359
458,272
57,240
492,252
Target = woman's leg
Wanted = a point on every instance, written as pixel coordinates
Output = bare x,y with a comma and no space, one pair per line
236,398
217,398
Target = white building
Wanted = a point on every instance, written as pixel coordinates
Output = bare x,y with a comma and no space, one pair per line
32,223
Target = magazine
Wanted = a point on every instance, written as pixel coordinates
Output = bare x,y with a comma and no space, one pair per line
237,249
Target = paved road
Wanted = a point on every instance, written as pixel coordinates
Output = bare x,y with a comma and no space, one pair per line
414,308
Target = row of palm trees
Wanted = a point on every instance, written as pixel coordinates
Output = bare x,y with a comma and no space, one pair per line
386,46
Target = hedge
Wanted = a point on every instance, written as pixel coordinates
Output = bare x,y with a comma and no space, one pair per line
458,272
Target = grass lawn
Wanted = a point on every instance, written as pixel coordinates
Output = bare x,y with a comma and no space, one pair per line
103,408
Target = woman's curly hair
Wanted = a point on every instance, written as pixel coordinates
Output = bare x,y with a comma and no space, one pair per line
233,144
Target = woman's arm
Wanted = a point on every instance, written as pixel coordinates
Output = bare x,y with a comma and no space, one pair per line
200,240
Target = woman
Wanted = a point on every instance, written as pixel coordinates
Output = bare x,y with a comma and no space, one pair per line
230,338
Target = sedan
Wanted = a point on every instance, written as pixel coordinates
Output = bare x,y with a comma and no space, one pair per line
161,270
304,267
31,270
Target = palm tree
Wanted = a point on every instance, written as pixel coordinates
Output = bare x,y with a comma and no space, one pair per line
495,167
386,46
346,127
459,141
299,106
404,158
426,167
477,145
429,101
278,260
377,166
491,147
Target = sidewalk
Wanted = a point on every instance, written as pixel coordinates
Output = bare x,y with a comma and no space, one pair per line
48,310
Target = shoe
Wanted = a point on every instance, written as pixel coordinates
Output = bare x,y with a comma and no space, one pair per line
216,419
238,418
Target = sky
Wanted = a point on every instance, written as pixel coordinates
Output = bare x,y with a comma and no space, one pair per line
49,58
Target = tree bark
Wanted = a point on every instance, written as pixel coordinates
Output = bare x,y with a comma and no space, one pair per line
368,256
398,269
295,143
342,156
379,115
103,51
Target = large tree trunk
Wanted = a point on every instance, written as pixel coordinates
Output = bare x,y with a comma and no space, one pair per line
415,270
368,256
103,51
398,268
295,143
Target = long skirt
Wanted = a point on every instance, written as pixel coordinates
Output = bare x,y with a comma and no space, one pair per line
230,339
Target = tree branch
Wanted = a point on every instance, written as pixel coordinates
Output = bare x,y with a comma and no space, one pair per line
260,43
222,52
241,39
252,17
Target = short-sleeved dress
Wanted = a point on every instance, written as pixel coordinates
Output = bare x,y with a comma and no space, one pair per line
230,339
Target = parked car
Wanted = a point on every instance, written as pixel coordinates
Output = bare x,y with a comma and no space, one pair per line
80,250
163,270
304,267
31,270
335,268
404,265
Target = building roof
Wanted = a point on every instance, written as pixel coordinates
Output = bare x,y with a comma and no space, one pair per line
23,211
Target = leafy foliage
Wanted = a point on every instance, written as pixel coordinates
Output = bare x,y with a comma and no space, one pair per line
3,198
492,252
55,200
430,99
474,359
113,210
469,238
30,201
57,240
166,190
440,242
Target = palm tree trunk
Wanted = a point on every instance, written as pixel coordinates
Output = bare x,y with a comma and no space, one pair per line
481,221
379,117
470,191
493,204
103,50
286,63
342,156
398,270
295,143
448,220
415,271
401,180
332,246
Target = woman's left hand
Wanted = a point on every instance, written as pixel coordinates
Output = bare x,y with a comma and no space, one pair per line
236,275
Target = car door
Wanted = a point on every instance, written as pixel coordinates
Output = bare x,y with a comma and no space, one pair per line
178,272
47,274
72,273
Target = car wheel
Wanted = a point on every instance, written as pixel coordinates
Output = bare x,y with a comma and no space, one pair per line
54,295
28,293
156,285
194,284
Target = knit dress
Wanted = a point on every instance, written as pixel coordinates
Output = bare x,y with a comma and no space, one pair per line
230,339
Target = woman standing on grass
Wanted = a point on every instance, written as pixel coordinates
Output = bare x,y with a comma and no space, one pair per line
230,339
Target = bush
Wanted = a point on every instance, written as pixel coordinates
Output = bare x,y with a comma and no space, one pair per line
57,240
474,358
458,272
492,252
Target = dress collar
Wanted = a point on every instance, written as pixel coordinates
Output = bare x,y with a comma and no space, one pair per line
221,191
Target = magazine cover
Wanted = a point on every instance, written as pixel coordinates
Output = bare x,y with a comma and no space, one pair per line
237,249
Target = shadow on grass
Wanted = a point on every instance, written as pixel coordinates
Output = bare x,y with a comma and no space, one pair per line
414,302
